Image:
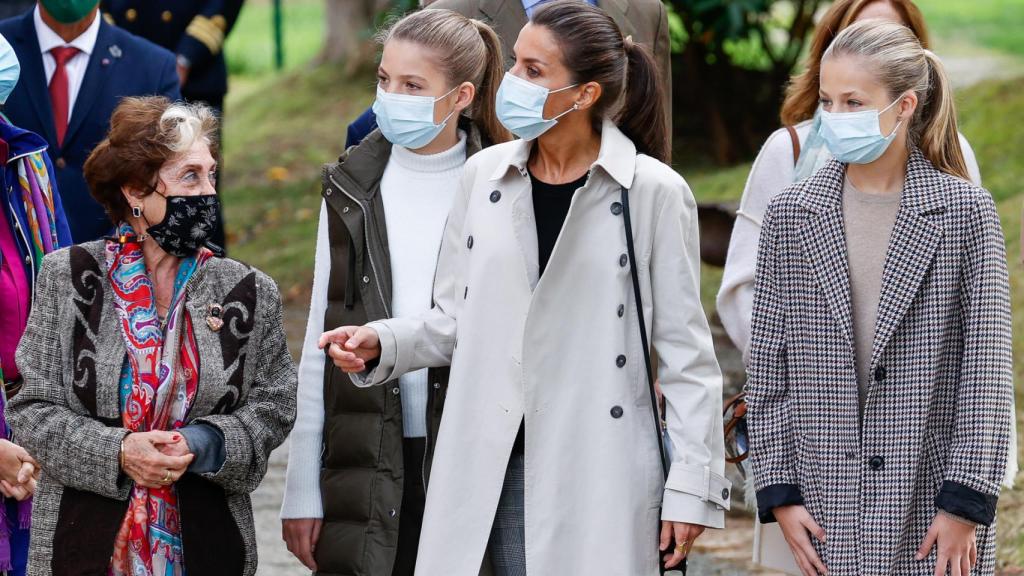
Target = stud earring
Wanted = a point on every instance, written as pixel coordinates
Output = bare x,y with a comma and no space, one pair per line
137,211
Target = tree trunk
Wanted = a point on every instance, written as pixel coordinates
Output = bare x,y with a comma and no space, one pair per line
349,37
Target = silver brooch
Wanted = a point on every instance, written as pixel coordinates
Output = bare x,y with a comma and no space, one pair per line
215,317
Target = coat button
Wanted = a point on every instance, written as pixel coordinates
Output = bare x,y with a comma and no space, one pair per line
495,196
330,191
623,260
876,462
131,14
28,260
469,243
621,311
366,279
880,374
437,385
725,493
167,16
346,210
396,390
620,361
392,513
616,411
616,208
62,163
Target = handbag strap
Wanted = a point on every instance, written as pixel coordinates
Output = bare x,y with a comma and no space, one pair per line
643,330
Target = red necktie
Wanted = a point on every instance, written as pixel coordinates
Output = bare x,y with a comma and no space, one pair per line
59,96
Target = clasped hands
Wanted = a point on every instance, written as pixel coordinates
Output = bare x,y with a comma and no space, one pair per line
155,459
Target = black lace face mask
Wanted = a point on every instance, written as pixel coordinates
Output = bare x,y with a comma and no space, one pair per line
187,224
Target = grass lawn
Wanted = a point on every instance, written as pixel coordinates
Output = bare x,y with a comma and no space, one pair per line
280,128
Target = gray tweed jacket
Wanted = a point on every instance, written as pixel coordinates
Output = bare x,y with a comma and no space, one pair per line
68,414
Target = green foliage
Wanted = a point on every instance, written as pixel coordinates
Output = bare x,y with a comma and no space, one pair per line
995,24
250,46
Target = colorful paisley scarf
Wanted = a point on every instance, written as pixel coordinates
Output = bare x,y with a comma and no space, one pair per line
158,384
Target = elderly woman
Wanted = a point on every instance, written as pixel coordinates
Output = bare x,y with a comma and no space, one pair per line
157,377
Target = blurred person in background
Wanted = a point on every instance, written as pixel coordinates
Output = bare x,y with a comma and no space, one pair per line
75,68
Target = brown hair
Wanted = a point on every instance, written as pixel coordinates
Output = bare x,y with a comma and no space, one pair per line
802,93
145,133
469,51
896,58
594,50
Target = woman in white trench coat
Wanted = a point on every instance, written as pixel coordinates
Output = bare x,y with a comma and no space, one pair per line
561,350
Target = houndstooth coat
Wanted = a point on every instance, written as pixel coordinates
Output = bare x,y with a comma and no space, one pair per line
936,422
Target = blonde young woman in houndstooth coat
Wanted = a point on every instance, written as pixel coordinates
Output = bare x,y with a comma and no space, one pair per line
879,445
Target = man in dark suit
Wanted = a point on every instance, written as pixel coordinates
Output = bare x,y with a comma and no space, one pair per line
10,8
75,68
645,20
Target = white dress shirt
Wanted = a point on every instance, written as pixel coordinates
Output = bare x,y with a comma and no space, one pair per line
76,66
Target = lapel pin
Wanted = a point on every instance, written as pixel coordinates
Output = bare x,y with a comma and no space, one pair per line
115,51
215,317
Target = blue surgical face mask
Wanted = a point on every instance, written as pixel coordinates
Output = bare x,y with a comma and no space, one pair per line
856,137
408,121
10,70
520,107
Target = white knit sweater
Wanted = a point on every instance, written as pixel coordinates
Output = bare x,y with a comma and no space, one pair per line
417,192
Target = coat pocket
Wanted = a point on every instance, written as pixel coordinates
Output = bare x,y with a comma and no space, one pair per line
935,467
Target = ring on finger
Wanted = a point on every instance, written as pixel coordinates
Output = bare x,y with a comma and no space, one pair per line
167,477
682,547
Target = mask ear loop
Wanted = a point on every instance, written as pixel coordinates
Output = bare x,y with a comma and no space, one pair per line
899,120
450,114
575,106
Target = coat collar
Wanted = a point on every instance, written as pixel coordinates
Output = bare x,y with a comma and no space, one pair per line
914,240
923,190
363,165
617,157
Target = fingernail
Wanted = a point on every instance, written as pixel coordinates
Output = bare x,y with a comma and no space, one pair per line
917,556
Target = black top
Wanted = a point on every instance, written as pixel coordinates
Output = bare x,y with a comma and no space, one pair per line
550,207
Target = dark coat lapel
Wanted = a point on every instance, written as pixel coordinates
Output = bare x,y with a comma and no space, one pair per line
33,76
823,237
912,248
105,56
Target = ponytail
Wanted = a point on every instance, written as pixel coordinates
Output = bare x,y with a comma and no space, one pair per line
467,51
894,55
594,50
485,109
642,117
936,129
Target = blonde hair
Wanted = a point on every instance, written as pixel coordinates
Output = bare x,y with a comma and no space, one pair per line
899,62
468,50
802,93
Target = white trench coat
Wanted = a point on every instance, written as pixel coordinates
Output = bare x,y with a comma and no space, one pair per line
548,349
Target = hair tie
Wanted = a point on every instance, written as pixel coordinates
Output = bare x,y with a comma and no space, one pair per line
627,42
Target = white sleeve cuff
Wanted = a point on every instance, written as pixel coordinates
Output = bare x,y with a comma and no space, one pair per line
696,495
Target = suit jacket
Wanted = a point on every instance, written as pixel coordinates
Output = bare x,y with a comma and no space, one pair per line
121,65
68,414
195,29
645,20
936,424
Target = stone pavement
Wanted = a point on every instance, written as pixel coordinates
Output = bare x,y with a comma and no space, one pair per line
719,553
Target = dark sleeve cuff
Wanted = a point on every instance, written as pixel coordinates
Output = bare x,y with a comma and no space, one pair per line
771,497
207,443
960,500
